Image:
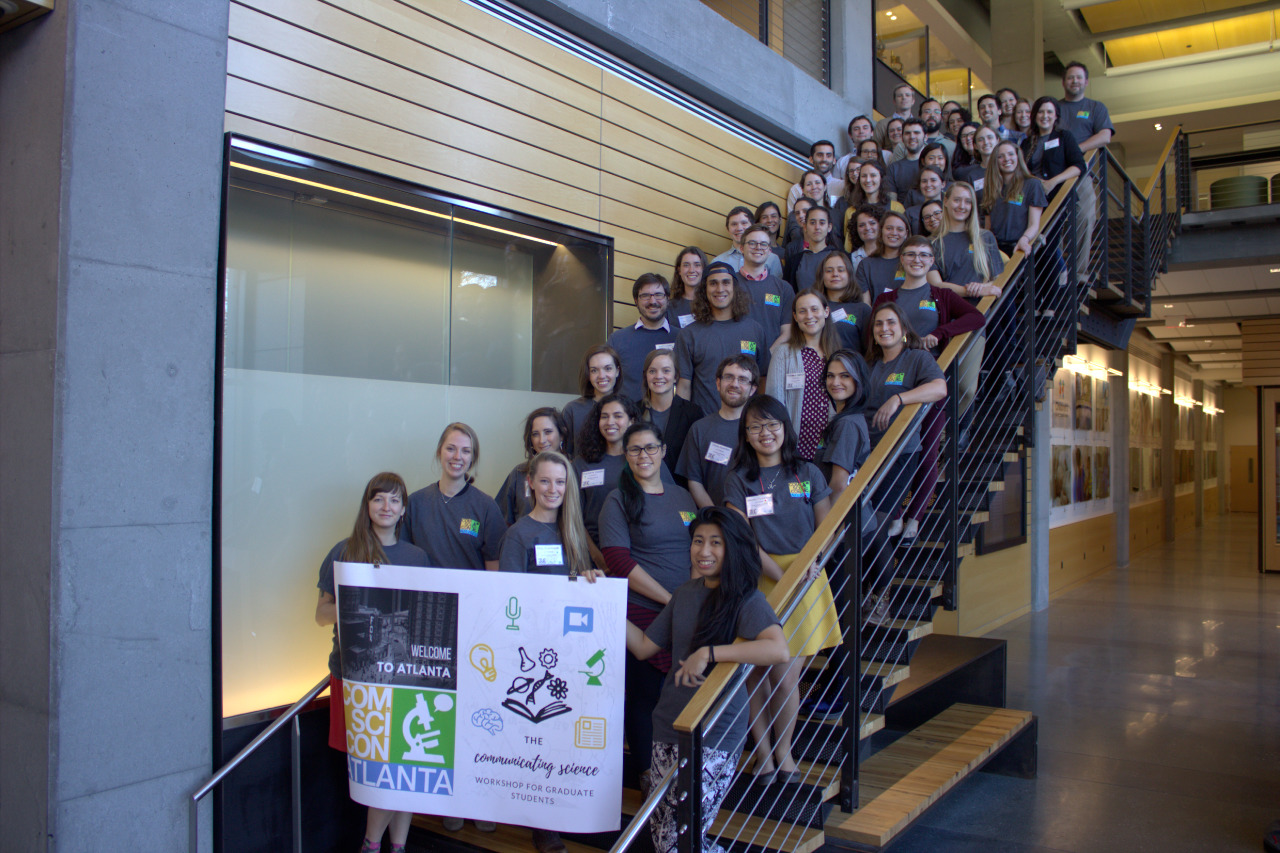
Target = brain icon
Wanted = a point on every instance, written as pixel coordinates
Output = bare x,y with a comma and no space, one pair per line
488,720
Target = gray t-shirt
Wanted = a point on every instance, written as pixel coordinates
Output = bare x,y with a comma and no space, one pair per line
788,527
460,532
912,368
771,300
576,413
674,629
593,488
698,457
399,554
1009,218
513,499
975,175
807,266
519,551
701,347
851,320
919,307
633,345
875,275
1085,117
954,259
903,177
659,543
679,313
848,444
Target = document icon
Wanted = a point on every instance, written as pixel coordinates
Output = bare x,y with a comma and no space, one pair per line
588,733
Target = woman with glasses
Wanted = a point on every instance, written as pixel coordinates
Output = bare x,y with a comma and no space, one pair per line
645,539
930,218
784,499
965,154
936,315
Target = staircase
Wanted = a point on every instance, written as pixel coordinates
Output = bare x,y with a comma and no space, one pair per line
862,785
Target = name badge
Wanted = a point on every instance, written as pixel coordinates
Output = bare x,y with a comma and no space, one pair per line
795,381
758,505
548,555
980,183
671,345
838,315
685,319
718,453
1051,144
593,478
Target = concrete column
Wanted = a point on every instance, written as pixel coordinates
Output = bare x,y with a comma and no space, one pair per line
1197,463
112,172
1017,47
1120,490
1040,463
1168,415
1220,440
852,53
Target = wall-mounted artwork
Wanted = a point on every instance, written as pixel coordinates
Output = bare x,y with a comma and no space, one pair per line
1101,473
1102,405
1084,401
1135,468
1062,386
1060,486
1082,474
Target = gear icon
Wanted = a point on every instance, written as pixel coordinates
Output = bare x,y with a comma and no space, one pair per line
548,658
558,688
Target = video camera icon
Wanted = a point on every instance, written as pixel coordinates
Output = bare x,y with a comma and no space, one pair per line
578,619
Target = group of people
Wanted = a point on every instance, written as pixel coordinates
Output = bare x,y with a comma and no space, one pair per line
713,435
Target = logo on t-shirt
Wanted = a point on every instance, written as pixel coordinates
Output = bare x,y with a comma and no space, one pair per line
1082,114
928,305
469,526
895,379
747,347
772,299
1017,200
899,276
687,517
799,490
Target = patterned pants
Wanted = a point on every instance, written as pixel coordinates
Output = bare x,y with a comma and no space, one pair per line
717,772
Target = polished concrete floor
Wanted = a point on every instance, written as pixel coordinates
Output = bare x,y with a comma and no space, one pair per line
1157,687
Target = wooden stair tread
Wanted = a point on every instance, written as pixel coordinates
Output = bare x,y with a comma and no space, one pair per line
914,630
898,783
934,587
891,673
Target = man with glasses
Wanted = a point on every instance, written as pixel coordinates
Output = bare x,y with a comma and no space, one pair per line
934,131
704,461
652,331
771,297
736,223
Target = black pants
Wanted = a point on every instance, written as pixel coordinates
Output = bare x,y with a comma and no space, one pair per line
644,686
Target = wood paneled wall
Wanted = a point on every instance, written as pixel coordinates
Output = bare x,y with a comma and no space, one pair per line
1260,348
442,94
1079,550
1146,526
1184,512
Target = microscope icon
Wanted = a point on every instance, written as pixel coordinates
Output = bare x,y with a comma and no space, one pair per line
591,672
418,732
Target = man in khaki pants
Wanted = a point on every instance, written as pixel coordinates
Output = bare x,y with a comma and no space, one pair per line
1089,123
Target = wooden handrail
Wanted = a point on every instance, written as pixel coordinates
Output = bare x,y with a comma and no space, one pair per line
1164,158
822,537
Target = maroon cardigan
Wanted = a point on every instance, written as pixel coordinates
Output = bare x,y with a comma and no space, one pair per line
955,315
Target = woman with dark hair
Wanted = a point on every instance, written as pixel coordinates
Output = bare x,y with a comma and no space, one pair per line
685,276
1014,200
1022,117
665,409
864,233
975,174
878,272
813,186
843,209
965,154
955,121
845,442
599,460
929,187
873,191
936,315
599,375
889,134
784,499
374,539
770,216
645,539
1051,152
544,429
698,627
456,524
850,306
935,156
930,218
796,377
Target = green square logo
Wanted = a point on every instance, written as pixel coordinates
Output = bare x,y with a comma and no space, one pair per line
423,728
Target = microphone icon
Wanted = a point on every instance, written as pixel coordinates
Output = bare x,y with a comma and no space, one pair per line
513,613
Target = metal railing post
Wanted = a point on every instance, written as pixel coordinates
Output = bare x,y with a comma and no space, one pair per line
295,774
1127,212
852,628
952,462
689,791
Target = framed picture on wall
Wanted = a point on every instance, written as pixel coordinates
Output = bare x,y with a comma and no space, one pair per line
1062,387
1102,405
1084,402
1060,485
1101,473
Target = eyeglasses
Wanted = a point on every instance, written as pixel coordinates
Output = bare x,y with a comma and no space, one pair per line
652,296
771,426
648,450
917,256
757,244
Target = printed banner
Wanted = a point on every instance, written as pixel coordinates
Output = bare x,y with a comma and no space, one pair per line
484,695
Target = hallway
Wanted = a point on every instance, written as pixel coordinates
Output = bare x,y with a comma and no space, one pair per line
1158,692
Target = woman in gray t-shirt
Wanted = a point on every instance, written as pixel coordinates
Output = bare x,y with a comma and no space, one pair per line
699,626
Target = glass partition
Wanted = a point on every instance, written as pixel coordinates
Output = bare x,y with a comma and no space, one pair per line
361,315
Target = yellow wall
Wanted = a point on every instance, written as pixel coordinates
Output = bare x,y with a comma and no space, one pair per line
442,94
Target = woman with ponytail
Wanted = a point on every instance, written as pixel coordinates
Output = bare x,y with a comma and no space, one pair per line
644,536
699,625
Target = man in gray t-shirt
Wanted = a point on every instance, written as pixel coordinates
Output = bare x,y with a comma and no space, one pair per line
704,460
1089,124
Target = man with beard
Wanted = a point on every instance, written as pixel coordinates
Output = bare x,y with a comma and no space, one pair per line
704,461
822,155
652,331
904,173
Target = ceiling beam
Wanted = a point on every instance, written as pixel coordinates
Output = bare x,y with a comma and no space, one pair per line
1147,322
1189,20
1210,296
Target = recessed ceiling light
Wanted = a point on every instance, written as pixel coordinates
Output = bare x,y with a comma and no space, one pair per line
1273,269
890,14
1168,305
1159,126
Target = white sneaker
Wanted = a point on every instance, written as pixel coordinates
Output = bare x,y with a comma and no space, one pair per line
910,529
895,527
453,824
879,614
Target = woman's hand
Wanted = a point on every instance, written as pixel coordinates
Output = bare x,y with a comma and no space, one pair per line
975,289
930,341
884,415
691,668
1023,245
592,574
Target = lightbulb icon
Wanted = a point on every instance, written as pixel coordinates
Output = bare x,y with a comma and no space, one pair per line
481,658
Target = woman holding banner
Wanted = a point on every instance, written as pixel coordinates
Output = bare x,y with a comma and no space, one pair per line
699,625
374,539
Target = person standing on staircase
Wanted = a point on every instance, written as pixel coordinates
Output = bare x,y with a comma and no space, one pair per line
1089,122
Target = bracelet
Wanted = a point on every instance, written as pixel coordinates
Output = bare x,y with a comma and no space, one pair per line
901,402
712,651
